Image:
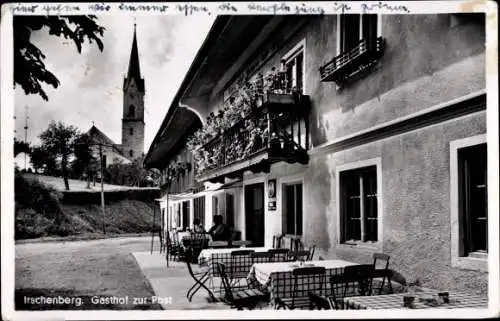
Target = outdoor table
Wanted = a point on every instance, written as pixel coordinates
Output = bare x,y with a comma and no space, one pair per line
395,301
209,257
278,278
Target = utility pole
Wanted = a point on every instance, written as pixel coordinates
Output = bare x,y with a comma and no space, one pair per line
25,133
101,161
102,190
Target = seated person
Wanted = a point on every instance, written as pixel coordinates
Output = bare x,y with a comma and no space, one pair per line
197,227
219,231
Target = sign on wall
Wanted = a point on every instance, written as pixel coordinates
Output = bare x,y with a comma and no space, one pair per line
271,190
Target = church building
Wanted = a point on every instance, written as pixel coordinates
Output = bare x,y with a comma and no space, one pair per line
132,145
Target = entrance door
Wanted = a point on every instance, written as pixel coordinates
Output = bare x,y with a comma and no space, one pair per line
254,213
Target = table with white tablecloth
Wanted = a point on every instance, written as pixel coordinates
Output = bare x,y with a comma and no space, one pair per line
278,277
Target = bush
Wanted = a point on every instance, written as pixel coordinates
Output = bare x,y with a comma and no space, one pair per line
38,210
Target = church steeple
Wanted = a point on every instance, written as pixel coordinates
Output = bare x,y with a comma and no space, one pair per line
133,106
134,68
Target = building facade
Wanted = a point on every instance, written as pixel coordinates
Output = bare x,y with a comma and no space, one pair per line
374,139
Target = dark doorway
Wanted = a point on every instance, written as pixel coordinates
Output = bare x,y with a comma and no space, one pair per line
254,213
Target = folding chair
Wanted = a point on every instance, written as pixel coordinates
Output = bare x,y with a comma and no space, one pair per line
384,259
200,276
279,255
174,249
301,255
241,262
262,257
318,302
310,279
342,285
245,298
364,274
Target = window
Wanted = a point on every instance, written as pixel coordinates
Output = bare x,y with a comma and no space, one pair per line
473,203
295,72
131,153
131,131
215,205
293,64
292,201
131,111
104,161
199,209
354,27
358,205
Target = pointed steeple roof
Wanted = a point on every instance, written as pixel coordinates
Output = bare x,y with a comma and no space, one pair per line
134,68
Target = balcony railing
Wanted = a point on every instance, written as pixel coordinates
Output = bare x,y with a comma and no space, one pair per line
276,130
363,55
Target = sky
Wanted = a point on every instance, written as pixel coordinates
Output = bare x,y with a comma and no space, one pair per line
91,83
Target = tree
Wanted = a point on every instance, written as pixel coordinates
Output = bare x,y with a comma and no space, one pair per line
29,67
59,139
20,147
84,160
42,160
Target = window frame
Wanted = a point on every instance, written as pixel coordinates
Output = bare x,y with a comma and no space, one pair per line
479,262
131,111
300,47
281,183
378,245
284,213
339,30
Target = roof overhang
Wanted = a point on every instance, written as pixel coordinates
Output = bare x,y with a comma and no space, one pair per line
182,122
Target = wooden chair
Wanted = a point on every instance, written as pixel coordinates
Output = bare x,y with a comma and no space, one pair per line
279,255
246,298
218,244
241,243
310,279
318,302
301,255
384,260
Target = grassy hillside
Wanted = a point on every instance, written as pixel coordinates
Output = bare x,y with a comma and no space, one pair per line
42,210
75,185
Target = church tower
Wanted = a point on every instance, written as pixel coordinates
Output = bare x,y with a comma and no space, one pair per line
133,107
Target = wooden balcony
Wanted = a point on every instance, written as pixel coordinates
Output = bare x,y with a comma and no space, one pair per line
366,53
277,130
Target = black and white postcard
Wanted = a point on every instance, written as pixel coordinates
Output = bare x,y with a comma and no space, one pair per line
209,160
